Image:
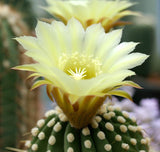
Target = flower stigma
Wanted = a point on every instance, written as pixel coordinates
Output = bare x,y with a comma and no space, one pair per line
79,74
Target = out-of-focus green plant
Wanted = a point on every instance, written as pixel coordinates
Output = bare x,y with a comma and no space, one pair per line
25,9
16,18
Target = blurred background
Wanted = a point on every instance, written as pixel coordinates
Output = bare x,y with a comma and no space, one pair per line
20,108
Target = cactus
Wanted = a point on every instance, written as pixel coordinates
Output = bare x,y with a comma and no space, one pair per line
110,130
14,95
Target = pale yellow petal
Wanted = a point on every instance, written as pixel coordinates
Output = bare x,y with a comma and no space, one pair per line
121,94
128,62
107,43
118,52
26,67
131,84
59,8
125,13
28,42
80,11
40,83
91,36
76,35
93,11
57,77
33,49
34,75
48,41
62,42
110,80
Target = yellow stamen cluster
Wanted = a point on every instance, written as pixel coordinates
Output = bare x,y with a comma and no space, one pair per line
80,66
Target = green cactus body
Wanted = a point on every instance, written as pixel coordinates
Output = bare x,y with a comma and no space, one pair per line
14,95
8,80
110,130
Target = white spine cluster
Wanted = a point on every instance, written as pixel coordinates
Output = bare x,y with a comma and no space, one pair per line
133,141
41,136
107,147
50,113
125,114
40,123
107,116
123,128
101,135
85,131
98,119
51,122
28,143
34,147
121,119
52,140
87,144
70,137
118,138
57,127
34,131
70,149
94,124
109,126
125,146
111,108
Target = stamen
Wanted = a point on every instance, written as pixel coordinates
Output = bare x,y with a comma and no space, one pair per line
78,74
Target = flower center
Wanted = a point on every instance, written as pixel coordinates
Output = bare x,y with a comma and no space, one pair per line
79,66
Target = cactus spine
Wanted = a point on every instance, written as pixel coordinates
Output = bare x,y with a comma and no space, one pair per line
110,130
14,95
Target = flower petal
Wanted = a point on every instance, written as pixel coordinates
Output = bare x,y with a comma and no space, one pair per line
107,42
76,35
109,81
91,36
59,8
61,33
128,62
131,84
26,67
118,52
105,12
121,94
48,41
33,49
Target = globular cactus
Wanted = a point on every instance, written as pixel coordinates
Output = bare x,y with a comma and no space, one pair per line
14,94
110,130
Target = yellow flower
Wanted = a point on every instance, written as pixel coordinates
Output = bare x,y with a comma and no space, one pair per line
106,12
80,67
